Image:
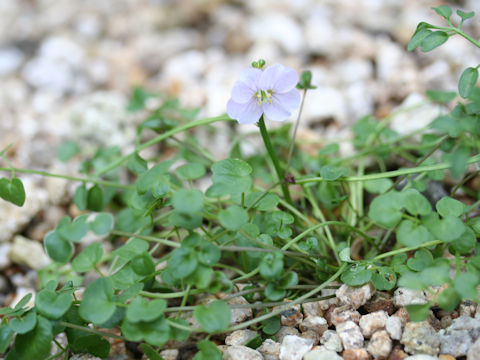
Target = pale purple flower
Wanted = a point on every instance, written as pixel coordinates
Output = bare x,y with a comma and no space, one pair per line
271,92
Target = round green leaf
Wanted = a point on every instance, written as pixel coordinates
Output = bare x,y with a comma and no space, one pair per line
356,275
6,336
448,206
378,186
102,224
136,164
234,167
56,248
152,178
467,82
36,343
191,171
143,264
207,351
188,201
410,234
433,40
209,254
444,11
417,39
415,202
466,284
214,318
384,279
448,299
233,217
92,344
97,305
447,229
142,310
183,261
271,266
95,198
331,173
418,312
12,191
80,197
274,292
465,243
25,323
271,325
53,305
73,231
422,259
155,332
385,209
88,258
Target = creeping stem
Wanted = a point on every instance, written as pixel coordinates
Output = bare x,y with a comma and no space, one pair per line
273,156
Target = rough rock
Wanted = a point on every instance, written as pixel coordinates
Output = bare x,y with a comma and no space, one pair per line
331,341
315,323
474,351
270,350
239,352
322,355
4,255
169,354
467,308
372,322
394,327
350,334
404,297
420,338
10,60
355,296
421,357
294,347
292,316
240,337
397,354
311,335
344,313
239,315
284,331
456,342
356,354
380,345
28,252
377,303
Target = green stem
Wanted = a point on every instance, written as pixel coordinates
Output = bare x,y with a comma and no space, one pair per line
73,178
90,330
162,137
404,250
295,129
273,156
389,174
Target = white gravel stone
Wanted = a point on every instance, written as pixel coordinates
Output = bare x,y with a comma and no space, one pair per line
294,347
169,354
394,327
10,60
420,338
4,255
331,341
372,322
404,297
380,345
28,252
350,334
316,323
270,350
421,357
322,355
291,316
240,337
284,331
474,351
238,352
355,296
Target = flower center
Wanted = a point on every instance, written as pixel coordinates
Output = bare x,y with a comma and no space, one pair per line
263,97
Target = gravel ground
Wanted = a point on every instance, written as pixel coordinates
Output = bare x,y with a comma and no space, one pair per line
67,67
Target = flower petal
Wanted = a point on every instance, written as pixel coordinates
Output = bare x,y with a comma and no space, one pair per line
275,112
248,113
250,76
278,78
289,100
242,92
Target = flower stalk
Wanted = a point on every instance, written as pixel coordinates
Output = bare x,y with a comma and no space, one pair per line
276,162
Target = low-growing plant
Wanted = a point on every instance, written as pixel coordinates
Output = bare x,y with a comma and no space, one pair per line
277,226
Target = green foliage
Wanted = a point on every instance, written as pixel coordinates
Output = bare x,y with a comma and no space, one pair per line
170,244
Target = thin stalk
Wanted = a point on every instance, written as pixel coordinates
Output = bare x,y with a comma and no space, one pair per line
389,174
72,178
162,137
275,161
407,249
90,330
